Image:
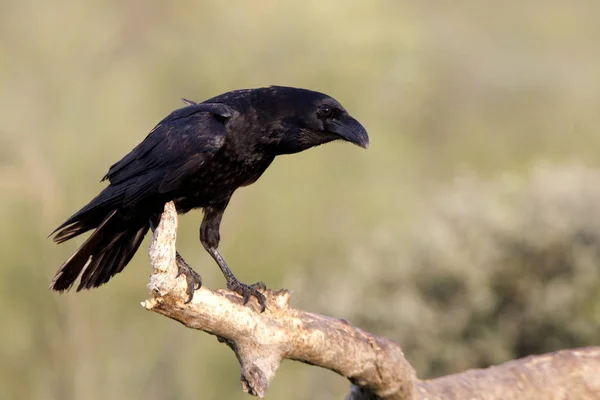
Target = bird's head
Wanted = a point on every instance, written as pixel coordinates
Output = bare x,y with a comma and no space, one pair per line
309,119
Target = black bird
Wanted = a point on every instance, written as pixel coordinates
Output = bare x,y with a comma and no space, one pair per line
197,157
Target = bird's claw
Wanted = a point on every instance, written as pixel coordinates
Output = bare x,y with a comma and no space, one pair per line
193,279
259,286
246,291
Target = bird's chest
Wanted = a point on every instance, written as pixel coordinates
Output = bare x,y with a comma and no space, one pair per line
230,172
226,172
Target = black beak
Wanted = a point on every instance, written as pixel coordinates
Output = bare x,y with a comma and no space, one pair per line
351,131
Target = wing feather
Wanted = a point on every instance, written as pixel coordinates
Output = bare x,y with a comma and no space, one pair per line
178,146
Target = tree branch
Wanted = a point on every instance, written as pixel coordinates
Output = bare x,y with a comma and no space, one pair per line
376,366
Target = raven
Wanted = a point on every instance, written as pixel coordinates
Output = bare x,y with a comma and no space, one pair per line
197,157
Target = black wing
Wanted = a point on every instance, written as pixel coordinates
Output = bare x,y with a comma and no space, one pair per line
176,148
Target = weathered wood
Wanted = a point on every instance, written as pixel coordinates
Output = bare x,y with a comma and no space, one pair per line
375,365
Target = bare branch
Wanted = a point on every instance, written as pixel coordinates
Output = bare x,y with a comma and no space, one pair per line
566,374
376,366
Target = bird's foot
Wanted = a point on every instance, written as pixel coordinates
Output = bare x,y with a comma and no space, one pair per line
249,290
193,279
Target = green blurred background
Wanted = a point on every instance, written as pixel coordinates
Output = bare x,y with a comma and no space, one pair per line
469,231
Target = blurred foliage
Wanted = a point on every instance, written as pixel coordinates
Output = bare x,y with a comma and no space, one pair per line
444,89
491,271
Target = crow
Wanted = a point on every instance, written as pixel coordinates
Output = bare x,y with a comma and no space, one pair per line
197,157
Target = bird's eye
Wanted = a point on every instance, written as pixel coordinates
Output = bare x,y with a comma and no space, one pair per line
325,110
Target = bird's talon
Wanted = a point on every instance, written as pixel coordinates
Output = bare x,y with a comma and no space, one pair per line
247,291
190,295
259,286
262,300
192,279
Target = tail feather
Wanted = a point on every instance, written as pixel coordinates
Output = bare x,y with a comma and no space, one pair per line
73,230
112,258
70,270
105,253
91,215
94,276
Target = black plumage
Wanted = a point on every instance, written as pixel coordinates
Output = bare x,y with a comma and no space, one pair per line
197,156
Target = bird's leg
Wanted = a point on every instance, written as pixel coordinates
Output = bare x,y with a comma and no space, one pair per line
192,278
235,285
209,236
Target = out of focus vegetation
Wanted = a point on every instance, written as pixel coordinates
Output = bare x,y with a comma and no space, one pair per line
469,231
492,271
